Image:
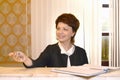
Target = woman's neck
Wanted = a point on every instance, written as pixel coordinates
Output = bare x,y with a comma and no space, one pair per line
66,46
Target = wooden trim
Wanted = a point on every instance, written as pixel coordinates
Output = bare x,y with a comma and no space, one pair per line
105,34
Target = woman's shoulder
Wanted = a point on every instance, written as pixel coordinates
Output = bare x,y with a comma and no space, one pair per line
53,45
79,48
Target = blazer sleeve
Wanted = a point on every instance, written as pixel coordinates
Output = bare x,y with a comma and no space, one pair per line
42,60
85,57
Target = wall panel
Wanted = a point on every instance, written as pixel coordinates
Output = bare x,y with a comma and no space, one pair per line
15,28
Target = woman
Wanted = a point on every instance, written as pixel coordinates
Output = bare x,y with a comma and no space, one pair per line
61,54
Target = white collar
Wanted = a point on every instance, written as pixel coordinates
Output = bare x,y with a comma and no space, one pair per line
69,52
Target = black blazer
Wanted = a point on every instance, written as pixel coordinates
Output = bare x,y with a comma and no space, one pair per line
52,57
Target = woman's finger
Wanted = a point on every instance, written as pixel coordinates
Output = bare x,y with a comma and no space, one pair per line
17,56
11,54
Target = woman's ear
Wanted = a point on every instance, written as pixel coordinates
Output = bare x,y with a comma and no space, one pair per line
73,34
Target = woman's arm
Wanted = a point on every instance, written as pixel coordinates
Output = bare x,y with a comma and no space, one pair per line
19,56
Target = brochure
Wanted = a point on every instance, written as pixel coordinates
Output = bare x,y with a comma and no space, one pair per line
86,70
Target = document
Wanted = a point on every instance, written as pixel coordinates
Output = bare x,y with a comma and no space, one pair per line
86,70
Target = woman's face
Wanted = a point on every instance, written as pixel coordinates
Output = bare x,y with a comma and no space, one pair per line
64,32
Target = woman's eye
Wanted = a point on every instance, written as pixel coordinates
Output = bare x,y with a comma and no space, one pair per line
65,29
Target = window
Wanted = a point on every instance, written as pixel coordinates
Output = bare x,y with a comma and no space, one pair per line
105,12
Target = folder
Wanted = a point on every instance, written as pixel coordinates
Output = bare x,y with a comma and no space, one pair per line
86,70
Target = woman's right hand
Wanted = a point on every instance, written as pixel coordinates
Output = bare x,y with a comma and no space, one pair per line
18,56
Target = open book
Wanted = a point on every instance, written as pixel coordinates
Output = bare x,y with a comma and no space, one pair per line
86,70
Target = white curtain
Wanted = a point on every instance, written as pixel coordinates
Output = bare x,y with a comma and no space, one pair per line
92,31
44,14
115,34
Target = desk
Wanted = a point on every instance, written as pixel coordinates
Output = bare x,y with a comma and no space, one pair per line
21,73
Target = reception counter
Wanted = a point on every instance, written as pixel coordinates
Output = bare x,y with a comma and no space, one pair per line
21,73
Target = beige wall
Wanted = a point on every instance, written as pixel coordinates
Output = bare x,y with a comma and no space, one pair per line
15,24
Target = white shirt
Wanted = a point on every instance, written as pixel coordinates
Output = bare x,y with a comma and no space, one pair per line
69,52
